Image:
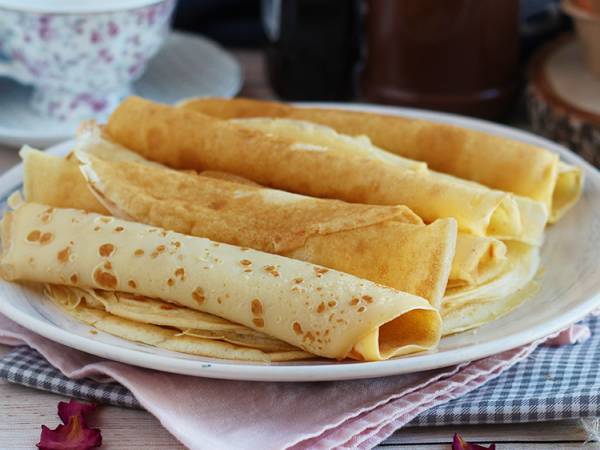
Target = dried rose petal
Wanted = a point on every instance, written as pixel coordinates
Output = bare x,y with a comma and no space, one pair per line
74,408
74,433
458,443
72,436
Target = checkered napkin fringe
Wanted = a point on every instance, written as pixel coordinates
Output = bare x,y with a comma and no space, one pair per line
552,383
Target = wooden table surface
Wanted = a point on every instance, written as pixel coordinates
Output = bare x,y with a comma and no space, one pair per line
24,410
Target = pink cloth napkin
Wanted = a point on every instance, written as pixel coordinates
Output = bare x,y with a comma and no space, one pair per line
216,414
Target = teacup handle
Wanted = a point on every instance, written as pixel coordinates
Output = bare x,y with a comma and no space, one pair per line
12,70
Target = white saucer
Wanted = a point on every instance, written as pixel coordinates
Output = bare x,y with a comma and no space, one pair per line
187,65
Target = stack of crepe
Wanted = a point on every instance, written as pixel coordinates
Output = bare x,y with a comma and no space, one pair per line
258,231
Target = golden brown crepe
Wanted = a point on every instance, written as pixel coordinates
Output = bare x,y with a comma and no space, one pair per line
533,214
474,264
495,161
322,311
406,256
320,136
388,245
187,140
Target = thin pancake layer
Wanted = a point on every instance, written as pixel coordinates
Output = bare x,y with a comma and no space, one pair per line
464,308
476,260
569,187
322,311
51,180
156,312
495,161
76,302
187,140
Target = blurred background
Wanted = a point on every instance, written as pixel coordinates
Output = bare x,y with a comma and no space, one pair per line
465,56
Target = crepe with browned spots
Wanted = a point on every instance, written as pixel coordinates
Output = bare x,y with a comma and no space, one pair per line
322,311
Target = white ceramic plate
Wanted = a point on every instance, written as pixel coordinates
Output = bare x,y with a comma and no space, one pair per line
570,290
187,65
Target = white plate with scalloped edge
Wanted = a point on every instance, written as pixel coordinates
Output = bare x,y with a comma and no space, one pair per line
570,290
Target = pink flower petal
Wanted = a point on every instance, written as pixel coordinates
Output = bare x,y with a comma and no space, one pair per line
458,443
72,436
74,433
74,408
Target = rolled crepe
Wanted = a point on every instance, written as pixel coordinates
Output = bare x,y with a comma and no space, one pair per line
93,140
393,248
168,326
388,245
494,161
464,308
184,139
322,137
532,213
322,311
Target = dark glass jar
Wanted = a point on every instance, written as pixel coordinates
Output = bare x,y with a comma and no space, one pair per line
313,47
452,55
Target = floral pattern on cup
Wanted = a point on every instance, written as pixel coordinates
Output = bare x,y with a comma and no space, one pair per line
81,65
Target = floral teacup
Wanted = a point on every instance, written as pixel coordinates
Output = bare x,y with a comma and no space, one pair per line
80,56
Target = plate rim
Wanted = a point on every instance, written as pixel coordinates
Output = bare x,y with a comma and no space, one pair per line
323,371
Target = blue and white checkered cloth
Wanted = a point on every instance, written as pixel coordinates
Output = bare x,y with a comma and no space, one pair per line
552,383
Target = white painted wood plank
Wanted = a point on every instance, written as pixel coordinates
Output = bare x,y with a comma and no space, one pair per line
24,410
